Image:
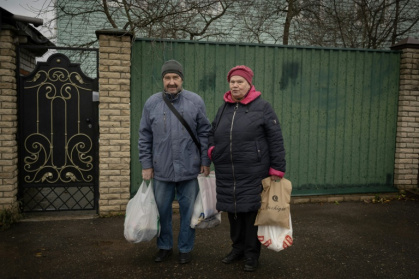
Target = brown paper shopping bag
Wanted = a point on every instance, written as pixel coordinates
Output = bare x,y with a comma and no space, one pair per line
275,207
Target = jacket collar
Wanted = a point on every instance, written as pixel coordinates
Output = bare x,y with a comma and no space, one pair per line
172,97
250,96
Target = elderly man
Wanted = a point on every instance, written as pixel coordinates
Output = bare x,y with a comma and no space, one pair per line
169,154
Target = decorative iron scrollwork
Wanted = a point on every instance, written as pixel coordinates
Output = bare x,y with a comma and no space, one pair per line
52,158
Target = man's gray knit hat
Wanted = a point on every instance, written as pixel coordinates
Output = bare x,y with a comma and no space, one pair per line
172,66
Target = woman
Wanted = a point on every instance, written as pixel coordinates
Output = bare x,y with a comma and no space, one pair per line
246,146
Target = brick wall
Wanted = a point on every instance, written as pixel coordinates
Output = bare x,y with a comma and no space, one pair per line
27,62
407,141
114,120
8,121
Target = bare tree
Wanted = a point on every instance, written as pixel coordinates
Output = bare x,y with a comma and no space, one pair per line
294,8
387,21
271,20
258,21
359,23
182,19
331,23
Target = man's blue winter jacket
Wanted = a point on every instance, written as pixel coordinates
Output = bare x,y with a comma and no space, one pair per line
165,145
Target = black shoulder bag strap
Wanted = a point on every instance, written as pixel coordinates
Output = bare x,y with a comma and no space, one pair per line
177,114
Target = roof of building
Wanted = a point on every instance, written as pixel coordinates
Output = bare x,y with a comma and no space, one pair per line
25,28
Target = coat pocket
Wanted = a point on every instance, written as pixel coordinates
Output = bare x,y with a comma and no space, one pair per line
219,153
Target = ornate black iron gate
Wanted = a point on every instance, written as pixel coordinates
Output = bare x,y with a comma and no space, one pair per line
58,138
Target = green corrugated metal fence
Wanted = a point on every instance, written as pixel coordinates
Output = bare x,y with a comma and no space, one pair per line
337,107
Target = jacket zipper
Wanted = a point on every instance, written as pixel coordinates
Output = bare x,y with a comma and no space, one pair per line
231,158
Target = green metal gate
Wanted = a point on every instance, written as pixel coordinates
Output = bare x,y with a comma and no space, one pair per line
337,107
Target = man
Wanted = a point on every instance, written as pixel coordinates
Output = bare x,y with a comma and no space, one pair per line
168,154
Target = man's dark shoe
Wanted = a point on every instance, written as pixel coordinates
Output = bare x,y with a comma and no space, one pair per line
163,255
232,257
184,258
250,264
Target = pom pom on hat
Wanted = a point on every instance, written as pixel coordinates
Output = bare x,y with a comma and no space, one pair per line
242,71
172,66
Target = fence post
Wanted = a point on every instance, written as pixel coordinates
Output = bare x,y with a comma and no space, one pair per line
407,140
114,119
8,121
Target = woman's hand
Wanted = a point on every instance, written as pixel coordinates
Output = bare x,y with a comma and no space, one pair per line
275,178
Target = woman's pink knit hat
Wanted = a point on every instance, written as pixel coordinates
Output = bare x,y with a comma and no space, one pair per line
242,71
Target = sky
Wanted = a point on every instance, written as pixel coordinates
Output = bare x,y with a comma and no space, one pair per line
22,7
27,8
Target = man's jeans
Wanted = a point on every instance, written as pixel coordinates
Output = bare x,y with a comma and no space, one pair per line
164,193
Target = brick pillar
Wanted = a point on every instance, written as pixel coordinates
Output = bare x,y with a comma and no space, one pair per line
8,121
114,120
407,140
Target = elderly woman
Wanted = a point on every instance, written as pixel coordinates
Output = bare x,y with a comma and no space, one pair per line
246,146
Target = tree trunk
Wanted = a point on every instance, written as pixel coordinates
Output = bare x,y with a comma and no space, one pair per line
287,24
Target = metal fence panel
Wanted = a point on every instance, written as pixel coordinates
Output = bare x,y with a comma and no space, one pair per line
337,107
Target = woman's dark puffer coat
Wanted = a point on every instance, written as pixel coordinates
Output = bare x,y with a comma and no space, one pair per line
247,143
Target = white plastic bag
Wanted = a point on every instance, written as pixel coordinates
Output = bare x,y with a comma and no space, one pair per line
205,214
276,238
207,189
142,220
209,222
199,221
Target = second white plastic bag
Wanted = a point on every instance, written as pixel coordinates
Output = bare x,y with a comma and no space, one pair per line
205,214
276,238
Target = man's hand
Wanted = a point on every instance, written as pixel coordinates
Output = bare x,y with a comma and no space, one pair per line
148,174
205,170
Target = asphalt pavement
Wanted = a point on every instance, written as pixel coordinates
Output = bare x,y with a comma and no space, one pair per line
331,240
